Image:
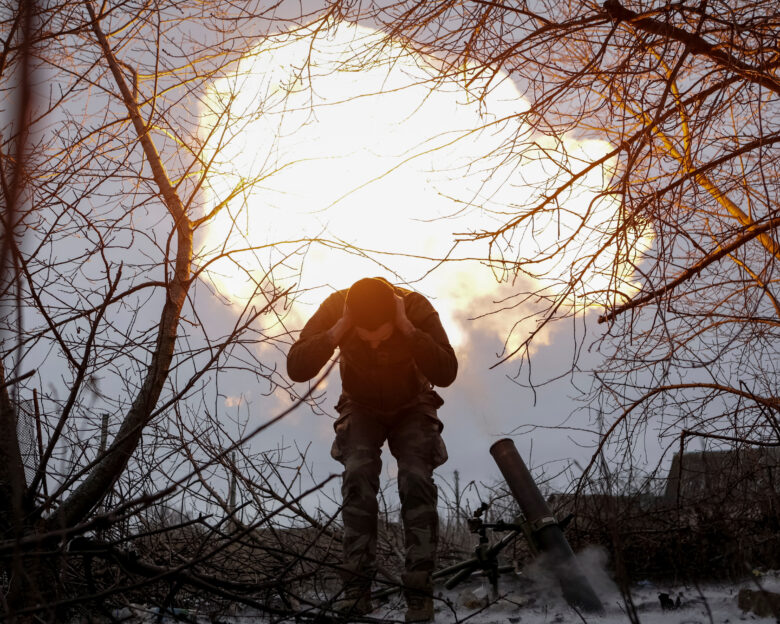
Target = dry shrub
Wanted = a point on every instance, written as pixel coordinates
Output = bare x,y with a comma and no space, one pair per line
718,518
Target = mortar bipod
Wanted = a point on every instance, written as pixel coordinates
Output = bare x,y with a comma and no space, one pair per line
485,556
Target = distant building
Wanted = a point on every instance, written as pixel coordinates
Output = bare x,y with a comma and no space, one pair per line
745,474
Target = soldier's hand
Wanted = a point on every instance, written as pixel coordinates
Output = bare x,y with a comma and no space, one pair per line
341,327
403,324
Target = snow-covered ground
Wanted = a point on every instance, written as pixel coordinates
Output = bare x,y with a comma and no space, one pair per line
528,604
525,601
709,603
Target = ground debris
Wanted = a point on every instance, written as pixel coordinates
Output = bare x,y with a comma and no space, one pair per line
759,601
474,599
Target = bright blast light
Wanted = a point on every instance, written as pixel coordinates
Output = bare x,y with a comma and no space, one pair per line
339,139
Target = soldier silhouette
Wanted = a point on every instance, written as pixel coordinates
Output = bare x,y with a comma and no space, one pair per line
393,350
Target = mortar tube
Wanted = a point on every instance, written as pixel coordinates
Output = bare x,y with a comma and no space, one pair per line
547,534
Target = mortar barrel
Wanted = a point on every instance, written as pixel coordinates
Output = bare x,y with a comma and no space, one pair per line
549,538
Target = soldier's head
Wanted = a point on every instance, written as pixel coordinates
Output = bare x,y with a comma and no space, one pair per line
371,303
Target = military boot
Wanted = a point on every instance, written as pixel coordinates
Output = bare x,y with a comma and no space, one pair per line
418,591
354,599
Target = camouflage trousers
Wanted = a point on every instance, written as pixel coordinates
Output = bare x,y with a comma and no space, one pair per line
413,435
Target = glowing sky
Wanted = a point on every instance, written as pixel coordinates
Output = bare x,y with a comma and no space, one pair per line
308,140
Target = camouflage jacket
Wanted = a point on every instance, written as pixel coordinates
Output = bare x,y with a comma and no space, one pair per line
394,374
